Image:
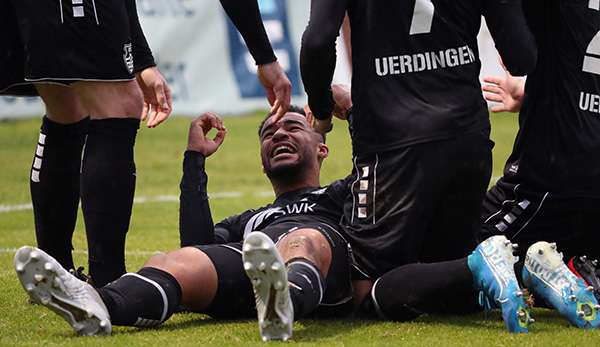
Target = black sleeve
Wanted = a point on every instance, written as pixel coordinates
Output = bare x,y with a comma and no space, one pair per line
512,36
195,220
317,55
245,15
142,55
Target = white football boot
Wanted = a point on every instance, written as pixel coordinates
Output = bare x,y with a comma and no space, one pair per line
546,275
268,274
49,284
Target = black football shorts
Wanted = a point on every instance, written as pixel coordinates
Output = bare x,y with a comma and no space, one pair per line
419,203
526,216
235,299
62,41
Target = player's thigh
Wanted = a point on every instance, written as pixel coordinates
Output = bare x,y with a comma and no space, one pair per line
466,166
389,208
234,297
62,103
122,99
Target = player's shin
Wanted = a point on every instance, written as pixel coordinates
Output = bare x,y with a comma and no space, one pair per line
306,285
410,290
107,189
143,299
54,184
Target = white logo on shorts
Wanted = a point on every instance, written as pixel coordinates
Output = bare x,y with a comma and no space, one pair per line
128,57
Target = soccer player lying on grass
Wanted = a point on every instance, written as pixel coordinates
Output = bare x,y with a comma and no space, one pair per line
313,257
550,188
307,270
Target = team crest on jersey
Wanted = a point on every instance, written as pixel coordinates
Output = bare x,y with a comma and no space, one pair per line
128,57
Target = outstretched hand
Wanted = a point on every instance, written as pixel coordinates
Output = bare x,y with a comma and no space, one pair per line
277,86
508,91
199,128
158,103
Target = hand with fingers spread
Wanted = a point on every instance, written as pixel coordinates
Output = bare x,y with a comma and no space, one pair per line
508,92
199,128
158,103
277,86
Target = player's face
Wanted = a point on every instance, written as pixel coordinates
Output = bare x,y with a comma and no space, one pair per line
288,146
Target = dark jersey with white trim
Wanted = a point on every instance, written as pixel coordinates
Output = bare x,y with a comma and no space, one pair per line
415,65
313,204
557,149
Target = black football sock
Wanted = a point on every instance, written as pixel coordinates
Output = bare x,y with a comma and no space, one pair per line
143,299
54,185
410,290
107,189
306,285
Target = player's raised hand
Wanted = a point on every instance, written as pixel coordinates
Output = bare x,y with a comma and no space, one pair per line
508,91
277,86
342,99
158,103
199,128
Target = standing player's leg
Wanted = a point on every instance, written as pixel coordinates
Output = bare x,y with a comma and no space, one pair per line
108,172
54,179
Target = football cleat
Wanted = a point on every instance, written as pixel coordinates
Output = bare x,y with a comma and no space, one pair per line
268,275
585,268
49,284
492,267
546,275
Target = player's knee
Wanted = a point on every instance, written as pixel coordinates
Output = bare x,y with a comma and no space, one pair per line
307,243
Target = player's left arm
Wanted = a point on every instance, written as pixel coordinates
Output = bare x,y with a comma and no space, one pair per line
158,102
318,54
195,220
513,39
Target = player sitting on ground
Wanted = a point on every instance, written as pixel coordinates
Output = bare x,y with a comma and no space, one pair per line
210,279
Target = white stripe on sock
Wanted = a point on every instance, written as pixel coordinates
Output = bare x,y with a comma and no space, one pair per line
160,290
315,271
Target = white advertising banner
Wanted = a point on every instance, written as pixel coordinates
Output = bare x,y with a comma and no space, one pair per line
205,60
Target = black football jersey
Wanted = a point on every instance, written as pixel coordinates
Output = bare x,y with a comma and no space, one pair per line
557,149
415,65
311,204
308,204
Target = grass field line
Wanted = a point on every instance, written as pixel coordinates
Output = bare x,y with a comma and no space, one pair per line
12,250
155,198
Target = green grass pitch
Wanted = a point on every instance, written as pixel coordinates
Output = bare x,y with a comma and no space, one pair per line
236,183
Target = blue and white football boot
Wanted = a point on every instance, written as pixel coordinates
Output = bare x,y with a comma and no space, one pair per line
546,275
492,266
268,274
49,284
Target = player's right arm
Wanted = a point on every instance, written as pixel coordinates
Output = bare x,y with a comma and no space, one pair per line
195,220
246,17
513,39
318,55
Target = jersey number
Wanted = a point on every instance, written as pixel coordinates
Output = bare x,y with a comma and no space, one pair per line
422,17
591,61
